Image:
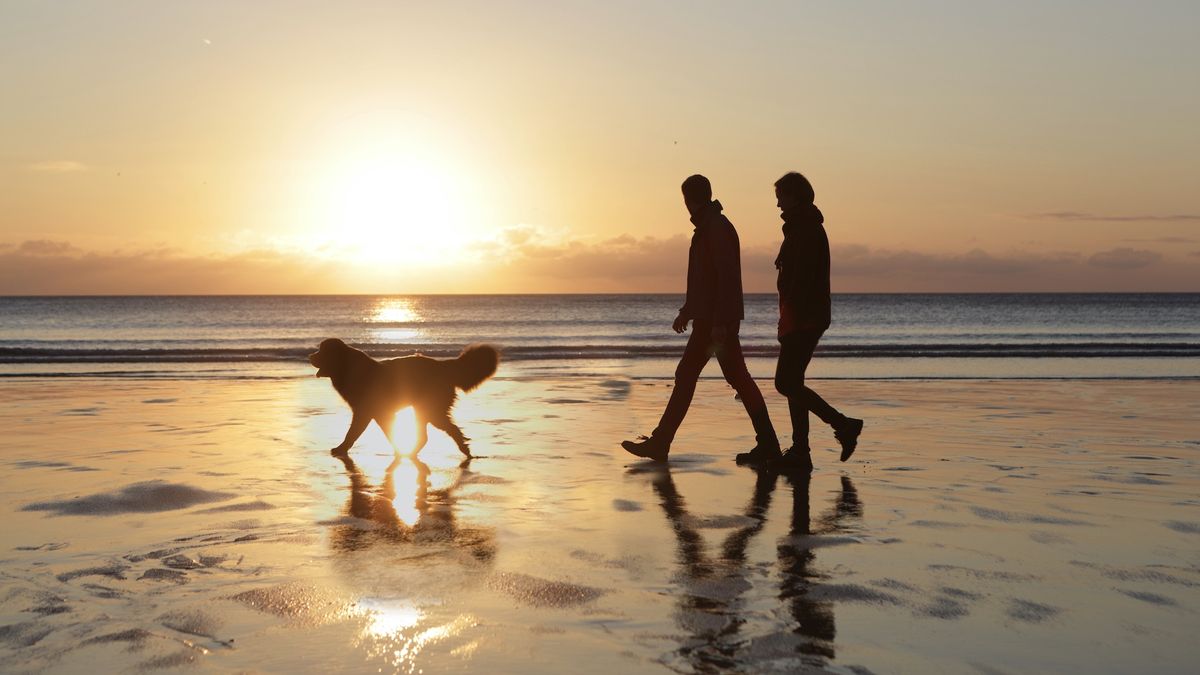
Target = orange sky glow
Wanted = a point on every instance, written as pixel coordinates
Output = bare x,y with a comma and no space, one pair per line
276,147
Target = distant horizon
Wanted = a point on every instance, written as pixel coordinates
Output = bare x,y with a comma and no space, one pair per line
551,294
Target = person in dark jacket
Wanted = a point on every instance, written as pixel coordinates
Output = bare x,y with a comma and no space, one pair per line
804,316
714,306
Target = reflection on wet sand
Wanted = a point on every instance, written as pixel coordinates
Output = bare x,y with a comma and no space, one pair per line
413,554
710,606
814,618
412,514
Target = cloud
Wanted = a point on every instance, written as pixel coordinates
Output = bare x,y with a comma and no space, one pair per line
45,247
39,267
58,166
629,263
1083,216
862,261
526,259
1124,258
1162,240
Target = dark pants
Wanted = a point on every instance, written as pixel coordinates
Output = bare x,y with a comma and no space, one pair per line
796,350
700,348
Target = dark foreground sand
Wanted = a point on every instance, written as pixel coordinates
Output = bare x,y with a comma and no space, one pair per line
992,527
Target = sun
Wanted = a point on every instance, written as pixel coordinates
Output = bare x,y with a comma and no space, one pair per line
399,208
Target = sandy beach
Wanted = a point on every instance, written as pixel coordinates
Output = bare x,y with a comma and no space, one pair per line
984,526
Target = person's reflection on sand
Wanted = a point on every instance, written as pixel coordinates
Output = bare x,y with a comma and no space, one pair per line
814,618
405,510
710,606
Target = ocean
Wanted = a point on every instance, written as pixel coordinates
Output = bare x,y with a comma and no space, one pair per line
874,336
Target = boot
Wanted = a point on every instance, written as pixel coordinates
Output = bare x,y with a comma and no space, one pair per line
766,448
846,434
796,460
648,447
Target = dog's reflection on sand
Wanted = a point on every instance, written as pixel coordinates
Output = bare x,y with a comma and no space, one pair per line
405,512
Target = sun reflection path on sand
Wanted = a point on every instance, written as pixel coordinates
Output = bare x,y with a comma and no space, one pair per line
393,632
391,311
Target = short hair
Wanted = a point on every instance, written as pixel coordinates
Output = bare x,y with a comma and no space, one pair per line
697,189
794,184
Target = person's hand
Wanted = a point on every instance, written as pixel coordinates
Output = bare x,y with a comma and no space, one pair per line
680,323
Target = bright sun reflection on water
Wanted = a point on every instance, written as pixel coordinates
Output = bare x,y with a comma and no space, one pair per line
408,482
388,619
392,632
395,311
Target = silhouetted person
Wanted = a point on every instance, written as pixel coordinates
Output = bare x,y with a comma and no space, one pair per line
714,305
804,316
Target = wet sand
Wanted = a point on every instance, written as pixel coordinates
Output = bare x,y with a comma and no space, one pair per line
983,526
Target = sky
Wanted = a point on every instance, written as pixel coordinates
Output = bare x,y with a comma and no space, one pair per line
452,147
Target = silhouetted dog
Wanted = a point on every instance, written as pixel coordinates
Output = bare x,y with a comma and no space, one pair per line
375,390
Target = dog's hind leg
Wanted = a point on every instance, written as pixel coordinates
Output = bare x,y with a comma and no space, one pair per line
422,436
447,425
358,424
386,422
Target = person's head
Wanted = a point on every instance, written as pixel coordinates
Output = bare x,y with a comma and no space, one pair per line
793,190
697,193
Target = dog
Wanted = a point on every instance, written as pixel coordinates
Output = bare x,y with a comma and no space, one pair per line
376,390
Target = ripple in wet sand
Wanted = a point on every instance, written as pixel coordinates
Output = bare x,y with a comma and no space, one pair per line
146,497
537,592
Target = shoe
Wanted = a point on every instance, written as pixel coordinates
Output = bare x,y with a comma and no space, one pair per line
648,447
763,454
795,460
766,448
847,435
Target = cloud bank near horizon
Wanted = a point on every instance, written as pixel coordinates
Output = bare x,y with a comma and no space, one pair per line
526,260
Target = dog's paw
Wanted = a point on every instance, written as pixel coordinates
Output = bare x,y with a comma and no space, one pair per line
339,450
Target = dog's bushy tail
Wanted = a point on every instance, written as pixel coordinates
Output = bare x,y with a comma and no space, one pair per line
476,364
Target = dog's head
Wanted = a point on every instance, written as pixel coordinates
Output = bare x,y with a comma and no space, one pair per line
330,356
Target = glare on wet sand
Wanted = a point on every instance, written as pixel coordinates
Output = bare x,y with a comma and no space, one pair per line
1000,525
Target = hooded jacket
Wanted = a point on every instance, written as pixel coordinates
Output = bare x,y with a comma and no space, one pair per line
803,265
714,278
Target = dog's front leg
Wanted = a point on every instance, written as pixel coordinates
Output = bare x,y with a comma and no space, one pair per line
357,426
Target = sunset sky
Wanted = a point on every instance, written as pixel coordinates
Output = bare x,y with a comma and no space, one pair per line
295,147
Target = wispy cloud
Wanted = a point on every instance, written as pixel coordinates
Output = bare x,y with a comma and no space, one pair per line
1161,240
1124,258
58,166
42,247
863,261
1083,216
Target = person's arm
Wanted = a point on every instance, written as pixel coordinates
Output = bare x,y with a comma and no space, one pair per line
814,262
725,253
795,298
791,300
680,323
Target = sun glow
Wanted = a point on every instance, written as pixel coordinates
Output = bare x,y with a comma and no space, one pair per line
400,207
390,316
